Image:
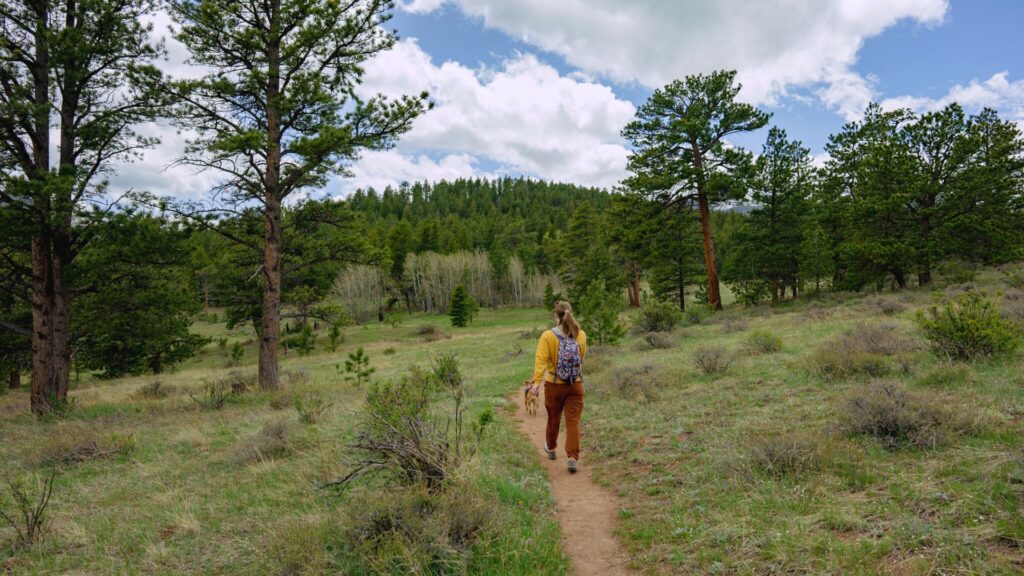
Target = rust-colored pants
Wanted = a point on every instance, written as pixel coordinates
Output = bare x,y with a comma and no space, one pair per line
560,398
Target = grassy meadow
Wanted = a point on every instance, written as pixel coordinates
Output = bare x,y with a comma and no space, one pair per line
756,468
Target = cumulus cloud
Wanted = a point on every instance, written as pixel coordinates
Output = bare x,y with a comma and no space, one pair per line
774,44
524,116
997,92
379,169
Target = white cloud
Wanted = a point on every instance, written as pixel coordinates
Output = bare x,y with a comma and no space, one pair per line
997,92
524,116
379,169
774,44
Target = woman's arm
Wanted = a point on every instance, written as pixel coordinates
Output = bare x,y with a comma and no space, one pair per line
540,361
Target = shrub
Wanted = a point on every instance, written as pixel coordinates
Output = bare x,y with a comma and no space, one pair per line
959,289
831,363
735,325
659,341
297,377
886,306
865,349
304,342
696,314
155,390
761,342
84,446
883,338
281,399
636,382
897,417
1013,310
532,334
958,271
750,292
791,454
1013,276
311,407
214,396
238,383
389,351
712,359
401,437
594,364
273,441
237,351
30,519
659,317
430,333
413,531
967,329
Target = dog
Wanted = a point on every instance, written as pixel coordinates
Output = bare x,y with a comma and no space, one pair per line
531,399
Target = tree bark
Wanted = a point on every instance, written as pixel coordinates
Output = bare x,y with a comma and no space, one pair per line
714,292
775,289
924,277
270,313
51,351
634,289
14,378
51,354
901,279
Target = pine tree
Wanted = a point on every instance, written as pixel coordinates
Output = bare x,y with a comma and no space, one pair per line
816,260
549,296
462,307
680,154
276,113
76,78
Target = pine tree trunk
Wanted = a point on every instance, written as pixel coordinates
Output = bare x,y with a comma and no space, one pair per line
51,352
14,378
714,292
682,292
924,277
634,294
270,313
775,289
901,279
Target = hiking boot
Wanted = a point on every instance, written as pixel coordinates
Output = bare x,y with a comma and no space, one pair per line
572,465
550,453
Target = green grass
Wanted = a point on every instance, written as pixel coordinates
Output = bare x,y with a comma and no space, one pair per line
181,503
675,446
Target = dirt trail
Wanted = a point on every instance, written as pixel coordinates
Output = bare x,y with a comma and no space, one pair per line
586,511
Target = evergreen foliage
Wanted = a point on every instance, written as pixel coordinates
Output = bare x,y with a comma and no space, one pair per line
462,307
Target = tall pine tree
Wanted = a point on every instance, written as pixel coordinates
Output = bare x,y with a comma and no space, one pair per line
276,112
681,156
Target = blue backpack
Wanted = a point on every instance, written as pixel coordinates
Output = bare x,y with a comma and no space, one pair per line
569,367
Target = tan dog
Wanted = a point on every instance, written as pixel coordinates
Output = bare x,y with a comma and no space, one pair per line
531,399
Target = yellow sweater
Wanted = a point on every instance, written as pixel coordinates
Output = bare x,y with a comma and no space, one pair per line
547,356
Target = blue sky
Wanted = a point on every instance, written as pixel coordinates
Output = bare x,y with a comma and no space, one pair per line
543,87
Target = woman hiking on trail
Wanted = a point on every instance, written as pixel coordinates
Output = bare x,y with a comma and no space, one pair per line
559,365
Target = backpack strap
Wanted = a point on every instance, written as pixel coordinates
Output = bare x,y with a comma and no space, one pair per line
557,335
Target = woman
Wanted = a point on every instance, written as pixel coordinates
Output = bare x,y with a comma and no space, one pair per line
558,364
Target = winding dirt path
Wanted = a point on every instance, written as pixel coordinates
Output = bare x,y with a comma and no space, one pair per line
586,512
